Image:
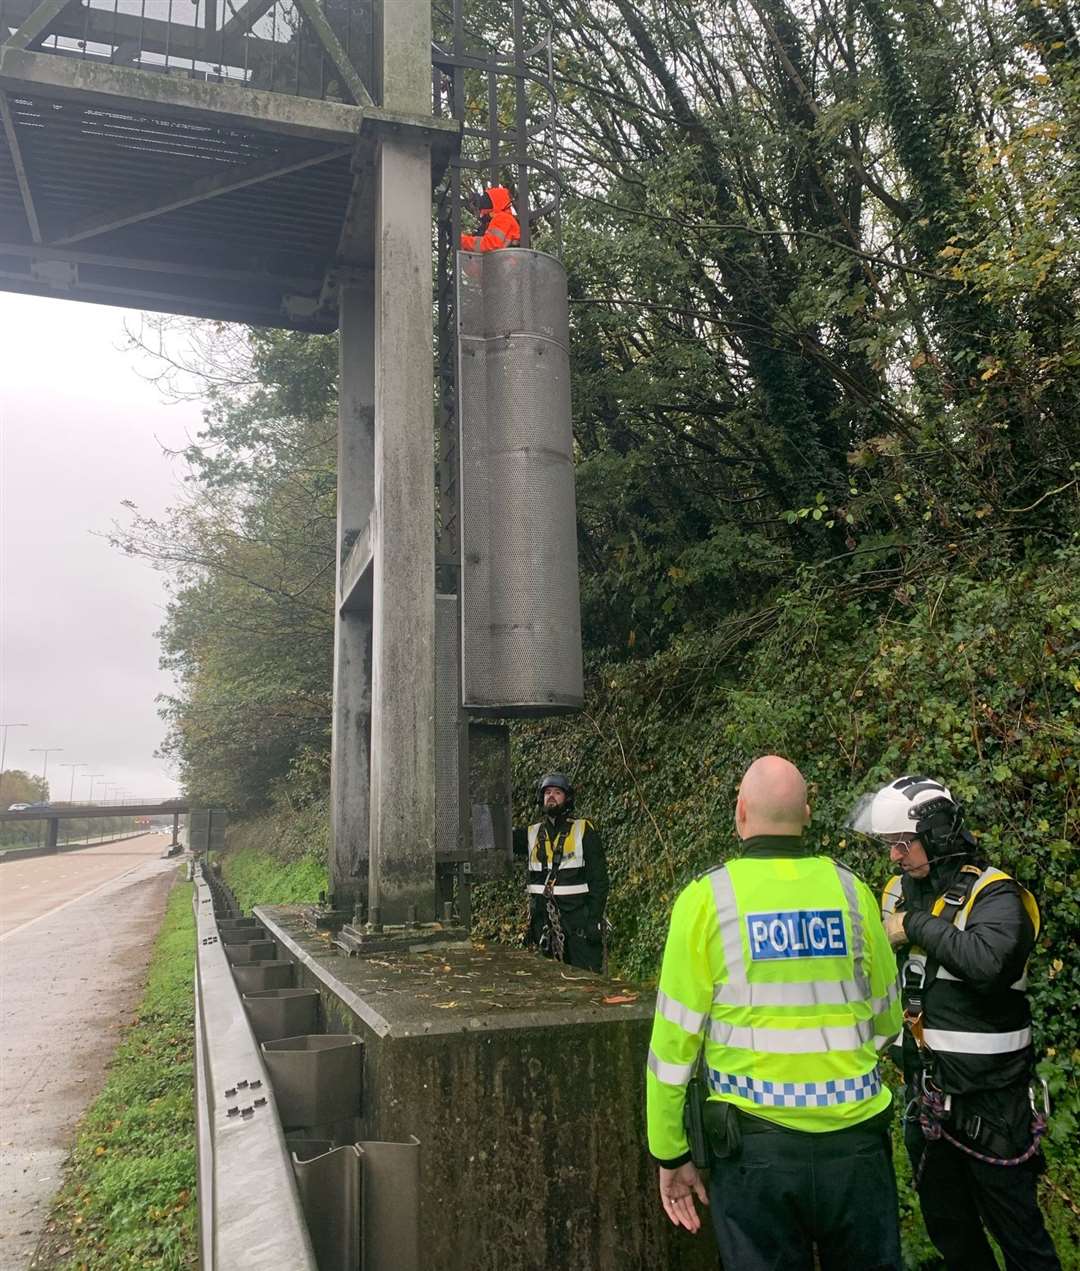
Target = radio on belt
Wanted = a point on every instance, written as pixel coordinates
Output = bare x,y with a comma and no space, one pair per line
797,933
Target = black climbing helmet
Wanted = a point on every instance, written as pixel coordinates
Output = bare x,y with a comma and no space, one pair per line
559,781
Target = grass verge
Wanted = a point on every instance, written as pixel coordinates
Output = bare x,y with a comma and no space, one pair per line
259,877
128,1198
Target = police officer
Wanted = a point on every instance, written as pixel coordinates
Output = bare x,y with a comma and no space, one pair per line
974,1121
567,878
778,972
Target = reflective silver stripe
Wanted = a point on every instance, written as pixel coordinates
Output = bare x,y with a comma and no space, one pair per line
727,915
810,993
881,1042
805,1040
879,1005
561,889
851,895
669,1074
499,234
675,1013
796,1094
943,973
976,1043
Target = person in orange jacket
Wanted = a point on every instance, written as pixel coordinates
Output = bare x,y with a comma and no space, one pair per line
498,225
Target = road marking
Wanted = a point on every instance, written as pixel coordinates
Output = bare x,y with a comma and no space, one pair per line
74,900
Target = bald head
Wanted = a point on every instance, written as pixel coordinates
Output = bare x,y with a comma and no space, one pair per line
772,799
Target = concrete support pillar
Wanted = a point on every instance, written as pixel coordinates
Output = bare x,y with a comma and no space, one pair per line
350,768
175,830
402,863
52,834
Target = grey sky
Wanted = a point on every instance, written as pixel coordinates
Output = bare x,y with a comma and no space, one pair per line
79,432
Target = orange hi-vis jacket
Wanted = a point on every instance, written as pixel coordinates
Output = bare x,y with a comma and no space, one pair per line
500,225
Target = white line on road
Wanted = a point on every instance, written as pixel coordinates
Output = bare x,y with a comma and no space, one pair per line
73,901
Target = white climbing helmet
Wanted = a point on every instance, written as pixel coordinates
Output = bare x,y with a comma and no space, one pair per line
899,807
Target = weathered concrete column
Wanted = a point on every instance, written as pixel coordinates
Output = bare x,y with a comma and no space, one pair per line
175,830
402,863
350,766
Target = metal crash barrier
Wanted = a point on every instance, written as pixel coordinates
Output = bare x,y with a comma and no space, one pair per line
284,1179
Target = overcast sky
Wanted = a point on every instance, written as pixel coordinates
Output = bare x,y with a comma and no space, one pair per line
80,431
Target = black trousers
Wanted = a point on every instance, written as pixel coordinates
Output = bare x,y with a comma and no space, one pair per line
579,951
785,1192
960,1195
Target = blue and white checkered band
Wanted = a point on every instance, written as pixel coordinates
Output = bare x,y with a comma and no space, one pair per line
797,1094
797,933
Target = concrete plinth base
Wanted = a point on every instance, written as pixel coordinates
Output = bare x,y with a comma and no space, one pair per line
525,1089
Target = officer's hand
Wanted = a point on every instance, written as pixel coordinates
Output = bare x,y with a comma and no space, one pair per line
678,1187
894,929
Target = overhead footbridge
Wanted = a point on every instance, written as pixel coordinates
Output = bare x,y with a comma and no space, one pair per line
197,158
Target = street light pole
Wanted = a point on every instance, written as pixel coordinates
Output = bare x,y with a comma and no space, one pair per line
93,782
73,766
46,751
3,744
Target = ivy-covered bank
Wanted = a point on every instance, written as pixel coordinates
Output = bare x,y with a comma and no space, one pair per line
280,858
973,677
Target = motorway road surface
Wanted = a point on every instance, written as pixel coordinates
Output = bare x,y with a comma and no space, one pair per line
76,934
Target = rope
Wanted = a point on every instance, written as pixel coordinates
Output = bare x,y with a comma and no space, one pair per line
931,1117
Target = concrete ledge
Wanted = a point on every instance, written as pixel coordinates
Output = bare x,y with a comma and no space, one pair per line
525,1089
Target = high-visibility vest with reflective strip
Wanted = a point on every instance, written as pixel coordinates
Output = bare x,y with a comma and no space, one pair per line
971,1033
570,876
782,966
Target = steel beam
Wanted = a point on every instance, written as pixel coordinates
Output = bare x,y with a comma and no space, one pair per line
37,23
402,868
19,164
146,93
338,56
244,18
350,766
152,35
198,191
354,585
127,296
139,264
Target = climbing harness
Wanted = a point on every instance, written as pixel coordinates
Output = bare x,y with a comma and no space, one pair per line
553,938
931,1108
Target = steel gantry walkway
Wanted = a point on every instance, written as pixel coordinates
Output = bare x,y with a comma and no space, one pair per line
201,158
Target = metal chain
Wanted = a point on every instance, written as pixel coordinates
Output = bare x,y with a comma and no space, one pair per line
553,938
556,935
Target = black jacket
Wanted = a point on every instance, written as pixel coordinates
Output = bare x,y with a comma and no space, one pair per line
986,958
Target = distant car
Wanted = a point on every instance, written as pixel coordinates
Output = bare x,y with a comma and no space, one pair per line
19,807
36,807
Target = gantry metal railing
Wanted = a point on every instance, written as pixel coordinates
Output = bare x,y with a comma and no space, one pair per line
320,49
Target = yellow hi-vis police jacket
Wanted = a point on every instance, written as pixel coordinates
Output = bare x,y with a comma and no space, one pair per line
779,962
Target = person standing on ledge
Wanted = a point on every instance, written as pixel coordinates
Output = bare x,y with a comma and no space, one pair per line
777,973
567,878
